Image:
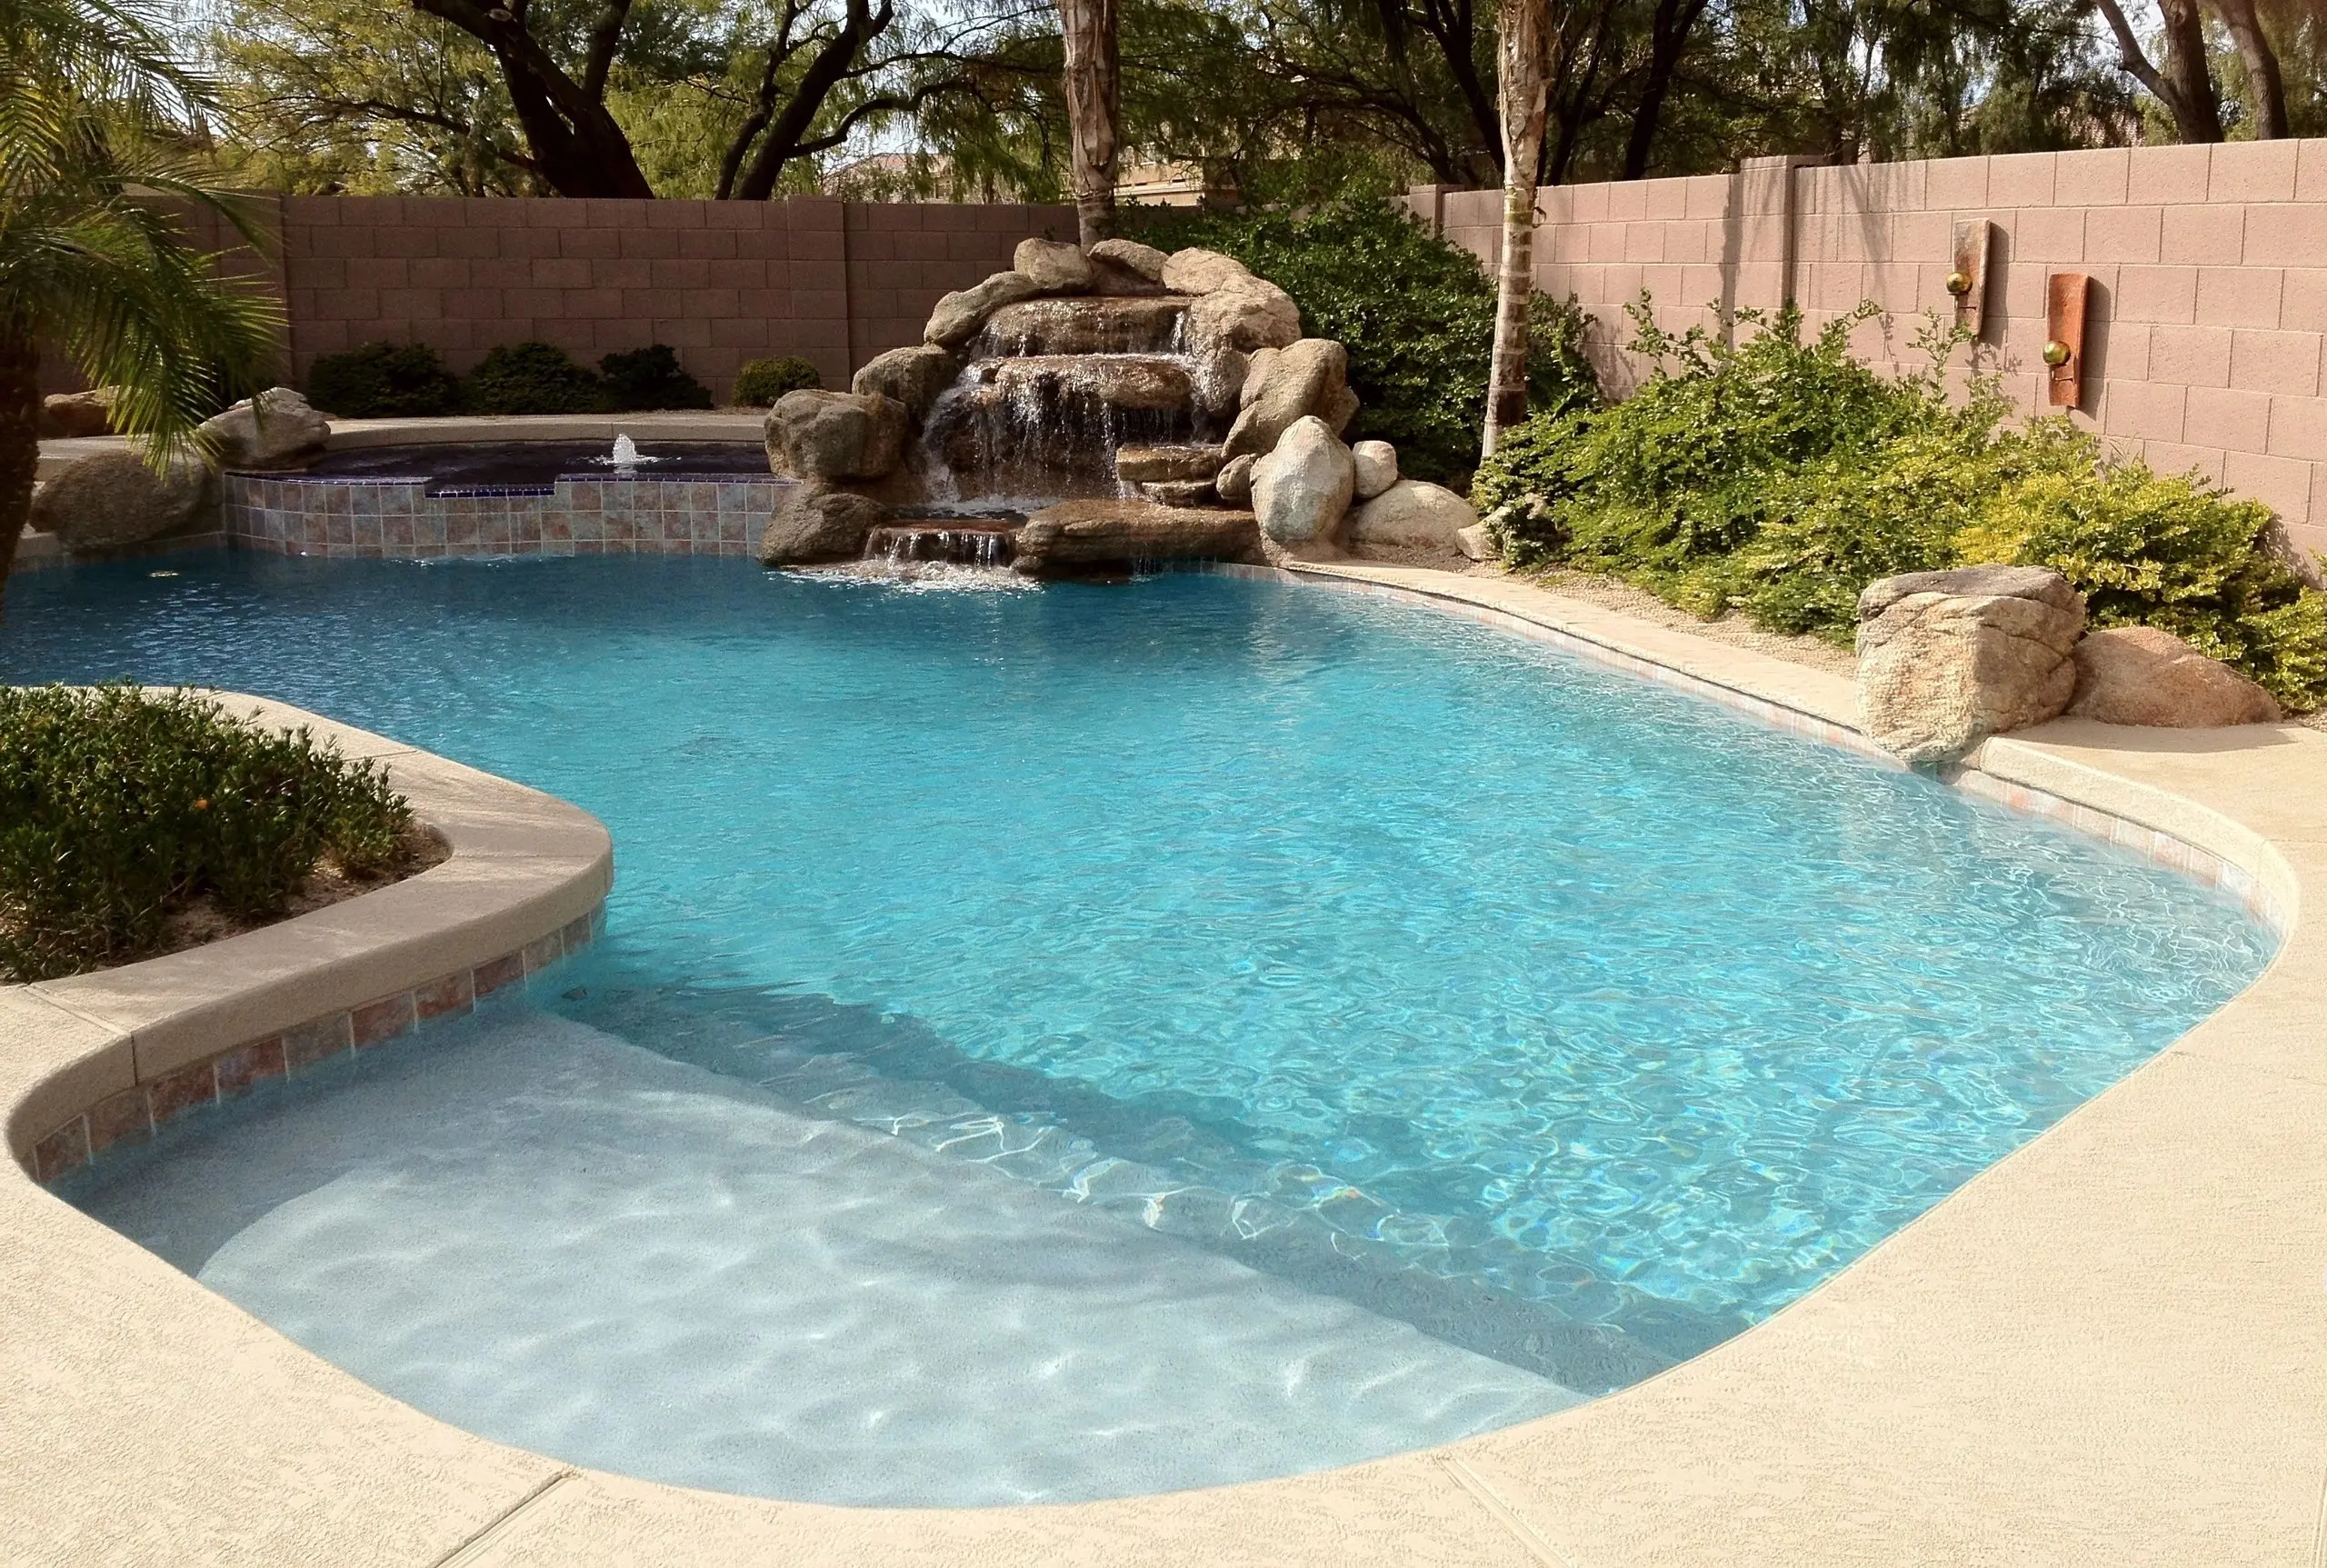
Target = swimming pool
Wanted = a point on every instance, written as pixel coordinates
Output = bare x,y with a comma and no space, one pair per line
1407,1000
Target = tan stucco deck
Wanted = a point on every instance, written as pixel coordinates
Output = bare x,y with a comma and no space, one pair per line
2111,1348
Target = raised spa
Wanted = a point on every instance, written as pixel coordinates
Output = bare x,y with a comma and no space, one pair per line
1055,1044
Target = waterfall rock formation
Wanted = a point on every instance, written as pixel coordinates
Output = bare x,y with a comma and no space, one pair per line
1088,411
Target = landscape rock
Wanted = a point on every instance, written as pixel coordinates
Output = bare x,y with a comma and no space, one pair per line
1196,271
72,415
113,498
959,315
1301,490
1946,659
275,429
1247,315
1340,408
1125,267
1476,542
817,522
912,376
2142,676
1057,266
1284,385
1084,534
816,435
1411,515
1377,466
1180,492
1145,464
1233,483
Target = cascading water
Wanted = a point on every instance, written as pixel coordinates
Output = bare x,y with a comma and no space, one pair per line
1052,387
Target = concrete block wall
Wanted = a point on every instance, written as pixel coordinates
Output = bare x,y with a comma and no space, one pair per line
2208,320
720,282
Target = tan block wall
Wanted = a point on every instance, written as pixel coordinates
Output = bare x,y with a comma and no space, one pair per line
2209,267
722,282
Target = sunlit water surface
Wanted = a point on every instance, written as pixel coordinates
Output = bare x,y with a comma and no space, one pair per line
1055,1043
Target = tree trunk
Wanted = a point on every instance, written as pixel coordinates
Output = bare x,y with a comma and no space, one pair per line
19,437
2184,86
1669,33
2262,66
1092,73
2198,111
1523,36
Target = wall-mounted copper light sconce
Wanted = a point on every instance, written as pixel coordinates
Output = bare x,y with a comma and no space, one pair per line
1967,280
2064,299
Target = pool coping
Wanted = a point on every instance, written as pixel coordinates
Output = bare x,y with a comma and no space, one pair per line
2152,1390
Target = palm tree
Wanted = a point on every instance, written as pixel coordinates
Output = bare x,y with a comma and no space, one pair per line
1522,34
94,111
1088,29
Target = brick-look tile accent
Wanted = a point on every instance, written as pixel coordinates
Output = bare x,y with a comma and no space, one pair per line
132,1115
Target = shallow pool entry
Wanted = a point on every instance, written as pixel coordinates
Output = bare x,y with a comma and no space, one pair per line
1083,1040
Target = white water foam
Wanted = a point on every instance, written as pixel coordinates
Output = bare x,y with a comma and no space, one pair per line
558,1240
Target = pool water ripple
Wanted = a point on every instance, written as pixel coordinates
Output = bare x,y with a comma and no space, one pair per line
1571,1021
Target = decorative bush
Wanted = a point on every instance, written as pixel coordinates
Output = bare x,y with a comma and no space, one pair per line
120,808
532,378
651,377
383,381
762,381
1779,478
1415,313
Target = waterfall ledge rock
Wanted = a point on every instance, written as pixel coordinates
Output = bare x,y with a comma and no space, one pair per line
959,315
912,376
1057,266
1107,533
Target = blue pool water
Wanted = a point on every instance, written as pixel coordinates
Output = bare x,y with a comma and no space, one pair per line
1446,1028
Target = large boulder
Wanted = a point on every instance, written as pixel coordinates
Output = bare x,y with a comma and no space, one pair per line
1125,267
1301,488
71,416
1233,483
277,429
816,435
1248,313
1377,466
959,315
2142,675
1946,659
1411,515
1057,266
1196,271
1284,385
817,522
1086,535
912,376
115,498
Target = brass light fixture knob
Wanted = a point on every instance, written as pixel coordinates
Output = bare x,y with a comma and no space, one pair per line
2055,352
1959,283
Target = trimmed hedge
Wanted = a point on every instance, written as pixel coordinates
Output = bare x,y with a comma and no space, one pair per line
120,808
762,381
1778,477
391,380
383,381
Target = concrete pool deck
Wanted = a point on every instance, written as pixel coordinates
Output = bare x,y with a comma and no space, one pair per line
2111,1347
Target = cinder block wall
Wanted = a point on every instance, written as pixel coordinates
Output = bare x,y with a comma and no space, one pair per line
2209,268
722,282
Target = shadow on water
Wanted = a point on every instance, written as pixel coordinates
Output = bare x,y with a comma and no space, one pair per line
1139,1157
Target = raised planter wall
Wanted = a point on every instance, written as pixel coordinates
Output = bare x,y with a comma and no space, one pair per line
2209,268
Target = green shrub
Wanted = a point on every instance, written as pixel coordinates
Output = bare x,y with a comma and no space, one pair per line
383,381
762,381
1779,478
532,378
118,808
651,377
1415,313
